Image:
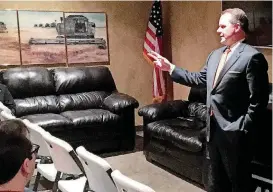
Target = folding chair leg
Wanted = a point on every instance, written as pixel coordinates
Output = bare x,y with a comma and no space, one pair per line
37,180
55,185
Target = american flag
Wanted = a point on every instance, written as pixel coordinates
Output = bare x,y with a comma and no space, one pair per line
153,41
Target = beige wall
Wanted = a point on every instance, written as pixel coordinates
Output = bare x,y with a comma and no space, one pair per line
190,35
127,22
193,37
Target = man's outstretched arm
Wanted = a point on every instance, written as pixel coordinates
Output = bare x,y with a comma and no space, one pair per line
179,75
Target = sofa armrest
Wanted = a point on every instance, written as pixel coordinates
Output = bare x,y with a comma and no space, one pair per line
116,102
160,111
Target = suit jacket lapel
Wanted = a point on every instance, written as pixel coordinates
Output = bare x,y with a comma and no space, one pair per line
215,66
232,60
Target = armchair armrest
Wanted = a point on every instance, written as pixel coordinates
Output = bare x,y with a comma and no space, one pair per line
116,102
160,111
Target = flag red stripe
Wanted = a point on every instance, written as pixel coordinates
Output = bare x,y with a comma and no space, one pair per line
150,44
158,80
151,33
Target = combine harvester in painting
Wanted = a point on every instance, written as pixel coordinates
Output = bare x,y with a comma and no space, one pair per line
77,30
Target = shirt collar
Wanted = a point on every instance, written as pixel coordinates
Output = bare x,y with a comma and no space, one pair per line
235,45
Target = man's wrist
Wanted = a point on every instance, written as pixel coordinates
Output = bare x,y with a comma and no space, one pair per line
172,66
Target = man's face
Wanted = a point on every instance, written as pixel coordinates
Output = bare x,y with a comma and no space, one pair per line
227,30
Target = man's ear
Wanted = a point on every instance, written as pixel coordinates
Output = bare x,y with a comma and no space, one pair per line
26,167
237,27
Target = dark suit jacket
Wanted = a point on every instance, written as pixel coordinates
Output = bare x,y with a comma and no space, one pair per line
240,95
6,98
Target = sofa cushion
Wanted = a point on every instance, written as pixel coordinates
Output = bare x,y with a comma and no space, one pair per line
28,82
81,101
83,79
91,117
33,105
179,132
50,122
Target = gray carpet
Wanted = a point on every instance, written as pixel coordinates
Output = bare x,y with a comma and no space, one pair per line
136,167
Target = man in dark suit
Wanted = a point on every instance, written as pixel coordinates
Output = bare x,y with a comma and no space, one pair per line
6,98
237,94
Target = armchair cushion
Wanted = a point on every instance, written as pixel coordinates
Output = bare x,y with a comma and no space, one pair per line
119,101
88,117
179,132
160,111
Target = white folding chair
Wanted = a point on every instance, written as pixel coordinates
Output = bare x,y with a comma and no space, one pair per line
126,184
45,166
98,171
66,161
5,115
4,108
36,136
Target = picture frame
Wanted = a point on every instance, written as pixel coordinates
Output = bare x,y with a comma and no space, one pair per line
39,40
259,14
9,39
86,37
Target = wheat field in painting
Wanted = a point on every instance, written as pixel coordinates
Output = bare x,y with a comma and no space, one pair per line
9,48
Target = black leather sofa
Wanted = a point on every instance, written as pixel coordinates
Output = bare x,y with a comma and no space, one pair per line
79,104
174,137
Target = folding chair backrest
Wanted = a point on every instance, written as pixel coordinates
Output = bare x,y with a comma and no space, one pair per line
97,170
36,136
64,157
4,108
4,115
126,184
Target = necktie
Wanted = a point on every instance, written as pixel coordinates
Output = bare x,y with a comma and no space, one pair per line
219,69
221,64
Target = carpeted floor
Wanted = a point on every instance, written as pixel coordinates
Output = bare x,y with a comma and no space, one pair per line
134,165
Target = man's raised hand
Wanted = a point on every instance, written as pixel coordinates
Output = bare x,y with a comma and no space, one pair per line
159,61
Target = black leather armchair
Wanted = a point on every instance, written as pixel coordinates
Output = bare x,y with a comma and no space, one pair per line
174,134
174,137
80,105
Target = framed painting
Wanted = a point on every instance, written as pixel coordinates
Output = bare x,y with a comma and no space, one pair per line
9,38
41,39
259,14
86,38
